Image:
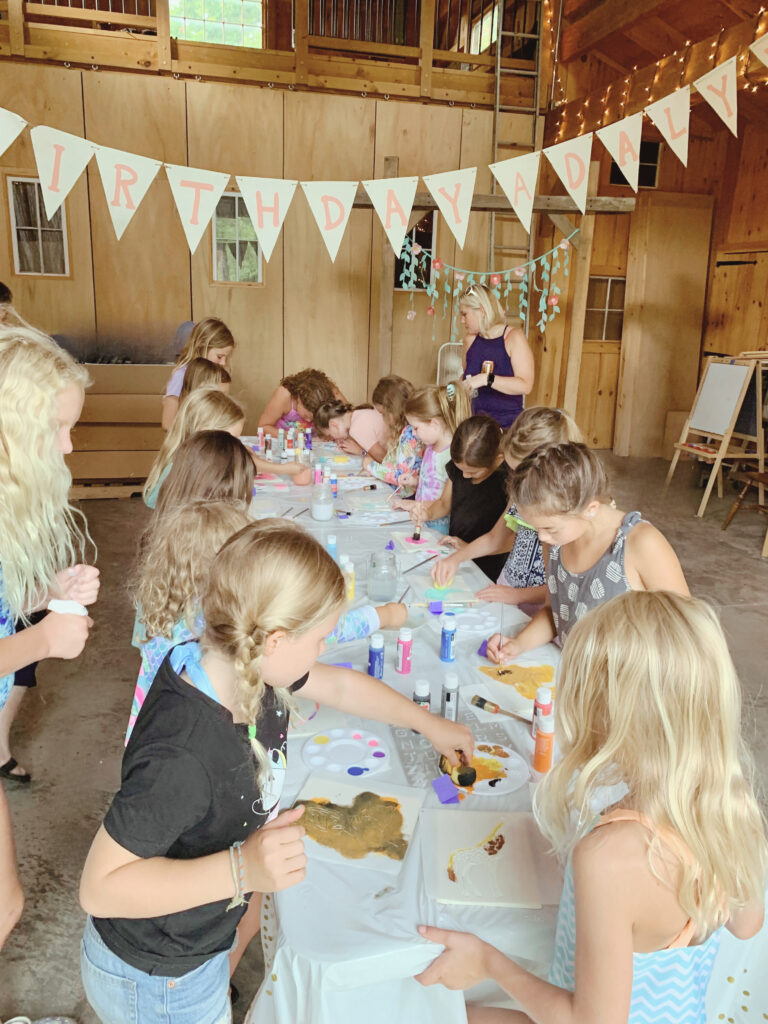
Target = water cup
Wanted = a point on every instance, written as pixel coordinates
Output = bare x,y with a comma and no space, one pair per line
382,577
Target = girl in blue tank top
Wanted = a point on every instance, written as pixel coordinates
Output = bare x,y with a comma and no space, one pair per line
487,338
648,710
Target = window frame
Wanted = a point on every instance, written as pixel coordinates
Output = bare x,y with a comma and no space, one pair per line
420,291
642,163
223,22
11,179
477,25
605,310
238,196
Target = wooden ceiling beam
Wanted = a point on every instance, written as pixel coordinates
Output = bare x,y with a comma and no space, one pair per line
588,31
655,36
500,203
610,62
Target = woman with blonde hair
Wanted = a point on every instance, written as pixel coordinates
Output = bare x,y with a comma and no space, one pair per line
210,339
648,710
488,339
193,831
296,400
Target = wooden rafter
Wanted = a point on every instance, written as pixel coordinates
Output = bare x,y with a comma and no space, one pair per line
500,203
600,22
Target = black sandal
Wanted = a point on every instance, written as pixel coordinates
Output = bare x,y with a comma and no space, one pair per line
7,772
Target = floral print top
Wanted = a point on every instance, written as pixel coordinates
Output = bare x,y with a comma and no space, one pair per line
404,458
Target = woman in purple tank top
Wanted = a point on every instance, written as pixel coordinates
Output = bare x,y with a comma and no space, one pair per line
498,393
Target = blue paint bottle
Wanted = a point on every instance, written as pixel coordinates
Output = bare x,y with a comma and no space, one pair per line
376,656
448,637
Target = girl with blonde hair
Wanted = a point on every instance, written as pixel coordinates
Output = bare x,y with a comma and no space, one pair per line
522,580
648,703
296,399
202,373
488,339
402,460
193,829
210,339
596,551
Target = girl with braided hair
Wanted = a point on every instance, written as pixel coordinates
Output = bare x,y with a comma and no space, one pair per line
194,831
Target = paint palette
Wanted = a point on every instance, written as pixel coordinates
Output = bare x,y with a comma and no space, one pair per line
471,623
500,770
308,718
349,753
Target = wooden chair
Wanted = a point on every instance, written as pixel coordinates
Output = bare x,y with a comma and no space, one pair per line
758,480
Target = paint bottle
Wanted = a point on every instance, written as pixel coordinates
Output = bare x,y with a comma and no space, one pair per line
331,547
422,694
268,455
448,637
545,741
308,439
348,569
334,485
281,437
404,646
326,474
259,439
317,476
416,535
541,706
376,656
283,455
289,441
300,440
450,704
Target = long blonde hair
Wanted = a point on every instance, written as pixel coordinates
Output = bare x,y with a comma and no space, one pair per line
172,574
270,576
449,403
648,696
392,393
204,409
477,296
535,427
208,333
202,373
40,530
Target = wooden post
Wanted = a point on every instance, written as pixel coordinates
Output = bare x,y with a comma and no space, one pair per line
16,27
426,42
163,16
386,284
579,307
300,33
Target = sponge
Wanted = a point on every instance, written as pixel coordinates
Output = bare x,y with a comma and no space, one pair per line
436,607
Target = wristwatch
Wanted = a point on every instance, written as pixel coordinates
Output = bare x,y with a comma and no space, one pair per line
491,378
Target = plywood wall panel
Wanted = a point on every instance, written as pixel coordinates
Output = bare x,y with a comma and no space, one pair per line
749,213
240,130
142,281
59,305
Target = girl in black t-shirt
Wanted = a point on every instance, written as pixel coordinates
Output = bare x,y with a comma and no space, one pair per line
194,830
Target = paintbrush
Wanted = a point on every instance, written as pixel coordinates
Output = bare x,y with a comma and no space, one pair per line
454,604
300,513
424,562
397,522
394,493
494,709
283,514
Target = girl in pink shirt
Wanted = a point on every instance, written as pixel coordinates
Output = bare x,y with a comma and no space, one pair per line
356,430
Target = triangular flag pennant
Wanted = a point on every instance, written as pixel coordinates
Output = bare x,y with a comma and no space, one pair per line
11,126
760,48
126,178
267,201
392,200
196,193
622,140
570,161
61,158
331,204
672,115
718,87
453,191
517,177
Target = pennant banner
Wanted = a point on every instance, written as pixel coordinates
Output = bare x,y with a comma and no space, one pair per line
453,191
622,140
61,158
331,204
196,194
517,177
672,115
126,178
392,200
570,161
11,126
760,49
718,87
267,201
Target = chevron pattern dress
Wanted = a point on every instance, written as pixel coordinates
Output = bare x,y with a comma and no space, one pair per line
668,986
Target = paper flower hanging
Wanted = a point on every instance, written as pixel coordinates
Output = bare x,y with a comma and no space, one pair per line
553,299
437,264
519,271
459,277
411,314
495,279
416,249
430,310
565,244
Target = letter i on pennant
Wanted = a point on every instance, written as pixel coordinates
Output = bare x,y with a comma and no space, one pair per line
61,158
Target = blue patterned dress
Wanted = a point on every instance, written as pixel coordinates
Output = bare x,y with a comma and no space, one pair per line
7,628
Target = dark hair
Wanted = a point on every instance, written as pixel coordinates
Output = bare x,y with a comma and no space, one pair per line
311,387
202,373
210,465
329,411
476,442
5,295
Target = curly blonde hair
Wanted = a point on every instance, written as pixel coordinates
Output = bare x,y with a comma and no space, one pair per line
41,533
270,576
173,571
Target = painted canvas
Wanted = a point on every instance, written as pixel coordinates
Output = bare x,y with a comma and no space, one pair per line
423,586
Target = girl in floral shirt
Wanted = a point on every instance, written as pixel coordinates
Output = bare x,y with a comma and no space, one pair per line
400,466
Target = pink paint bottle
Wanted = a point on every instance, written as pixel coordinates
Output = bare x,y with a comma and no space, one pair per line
404,645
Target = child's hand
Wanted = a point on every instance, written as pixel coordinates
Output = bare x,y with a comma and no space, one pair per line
449,737
501,593
303,477
392,615
368,461
463,963
502,649
400,503
274,856
418,511
444,569
350,446
78,583
63,636
453,542
407,479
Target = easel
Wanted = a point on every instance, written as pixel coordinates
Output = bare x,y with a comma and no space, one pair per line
736,435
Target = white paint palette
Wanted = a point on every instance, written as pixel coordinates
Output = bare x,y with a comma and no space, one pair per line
477,622
347,753
500,770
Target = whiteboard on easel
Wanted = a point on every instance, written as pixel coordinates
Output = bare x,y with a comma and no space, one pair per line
718,399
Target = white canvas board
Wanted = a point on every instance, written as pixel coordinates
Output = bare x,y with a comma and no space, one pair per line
488,855
719,398
506,695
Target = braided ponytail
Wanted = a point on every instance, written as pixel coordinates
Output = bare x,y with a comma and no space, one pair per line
557,479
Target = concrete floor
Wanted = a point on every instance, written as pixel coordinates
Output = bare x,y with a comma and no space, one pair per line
70,730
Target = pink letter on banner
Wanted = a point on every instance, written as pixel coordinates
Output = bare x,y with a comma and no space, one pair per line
453,191
392,200
622,140
760,48
718,87
196,193
671,116
61,158
570,161
125,178
331,204
11,126
267,201
517,177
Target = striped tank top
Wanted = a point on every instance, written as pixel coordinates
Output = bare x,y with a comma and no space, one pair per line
669,986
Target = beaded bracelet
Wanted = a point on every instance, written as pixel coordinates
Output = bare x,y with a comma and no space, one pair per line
238,874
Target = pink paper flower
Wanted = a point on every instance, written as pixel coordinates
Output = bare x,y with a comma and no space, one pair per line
519,271
430,310
495,279
411,314
416,249
565,244
437,263
553,299
460,277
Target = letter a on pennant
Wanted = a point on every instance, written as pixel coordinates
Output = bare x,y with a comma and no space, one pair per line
196,194
622,140
570,161
126,178
267,201
392,200
760,49
453,191
11,126
61,158
671,116
718,87
331,204
517,177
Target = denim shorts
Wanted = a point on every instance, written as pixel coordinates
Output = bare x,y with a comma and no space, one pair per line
121,994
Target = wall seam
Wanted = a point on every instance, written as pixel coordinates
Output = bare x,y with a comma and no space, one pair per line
90,220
